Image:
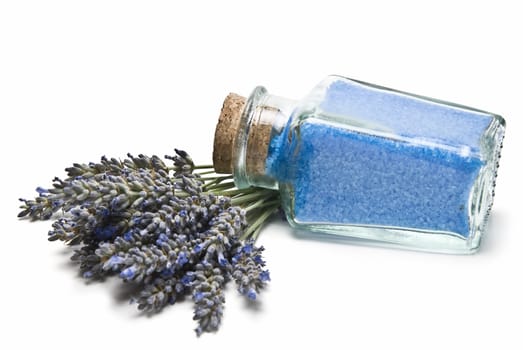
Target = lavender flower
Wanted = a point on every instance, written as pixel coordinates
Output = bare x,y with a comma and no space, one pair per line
173,230
247,271
208,297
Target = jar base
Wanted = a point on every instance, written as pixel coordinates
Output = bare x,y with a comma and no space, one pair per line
482,194
419,240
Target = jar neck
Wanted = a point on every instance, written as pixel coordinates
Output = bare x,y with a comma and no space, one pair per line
244,133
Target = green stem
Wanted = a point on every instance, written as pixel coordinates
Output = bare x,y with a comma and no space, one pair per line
255,204
206,172
254,195
261,203
219,187
254,229
217,180
221,178
230,193
248,197
207,166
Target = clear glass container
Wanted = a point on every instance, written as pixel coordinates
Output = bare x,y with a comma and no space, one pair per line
367,162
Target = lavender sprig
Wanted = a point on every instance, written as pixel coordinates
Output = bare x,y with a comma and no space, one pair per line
173,230
208,297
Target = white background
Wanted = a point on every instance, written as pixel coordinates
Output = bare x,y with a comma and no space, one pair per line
80,79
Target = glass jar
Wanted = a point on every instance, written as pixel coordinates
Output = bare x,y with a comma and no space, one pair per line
367,162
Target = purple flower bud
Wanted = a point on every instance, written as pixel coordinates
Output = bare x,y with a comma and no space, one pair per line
198,248
251,294
265,276
247,248
113,261
187,278
258,260
41,191
167,272
221,259
198,296
236,258
181,259
128,236
161,239
128,273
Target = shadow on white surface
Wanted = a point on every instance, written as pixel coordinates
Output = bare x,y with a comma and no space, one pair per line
496,233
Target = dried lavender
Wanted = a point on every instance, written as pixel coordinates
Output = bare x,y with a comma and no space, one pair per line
173,230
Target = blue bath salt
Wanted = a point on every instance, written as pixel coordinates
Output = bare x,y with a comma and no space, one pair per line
415,170
405,115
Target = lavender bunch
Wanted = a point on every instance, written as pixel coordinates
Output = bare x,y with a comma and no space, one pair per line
173,230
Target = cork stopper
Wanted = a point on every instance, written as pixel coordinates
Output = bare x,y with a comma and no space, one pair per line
258,140
243,135
225,133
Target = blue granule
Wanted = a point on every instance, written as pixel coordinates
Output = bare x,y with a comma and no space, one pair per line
405,115
416,173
